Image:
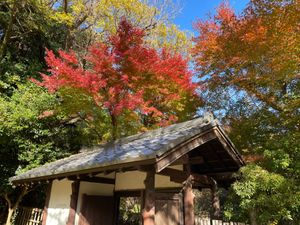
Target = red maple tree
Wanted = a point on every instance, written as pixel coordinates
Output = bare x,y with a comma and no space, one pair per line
124,74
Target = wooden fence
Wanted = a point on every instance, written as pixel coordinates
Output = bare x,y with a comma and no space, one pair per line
209,221
28,216
33,216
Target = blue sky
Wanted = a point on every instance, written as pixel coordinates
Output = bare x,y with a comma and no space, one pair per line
193,9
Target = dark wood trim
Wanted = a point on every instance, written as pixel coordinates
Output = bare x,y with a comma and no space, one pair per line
73,203
148,212
116,209
110,168
215,200
119,194
171,156
45,211
188,202
179,176
228,146
102,180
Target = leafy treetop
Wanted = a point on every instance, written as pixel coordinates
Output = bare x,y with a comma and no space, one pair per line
124,75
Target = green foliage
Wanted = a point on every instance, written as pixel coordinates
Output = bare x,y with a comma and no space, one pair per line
265,193
28,138
31,32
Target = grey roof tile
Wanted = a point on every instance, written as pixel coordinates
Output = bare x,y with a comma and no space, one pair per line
133,148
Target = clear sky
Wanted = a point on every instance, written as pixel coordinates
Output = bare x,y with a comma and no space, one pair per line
193,9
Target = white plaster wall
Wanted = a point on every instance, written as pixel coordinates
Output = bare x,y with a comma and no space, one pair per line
164,182
134,180
59,204
92,189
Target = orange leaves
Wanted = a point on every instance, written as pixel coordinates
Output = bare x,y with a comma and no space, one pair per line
225,15
257,51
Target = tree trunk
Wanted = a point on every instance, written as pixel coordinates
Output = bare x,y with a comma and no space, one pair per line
9,215
8,30
252,216
68,32
114,126
12,207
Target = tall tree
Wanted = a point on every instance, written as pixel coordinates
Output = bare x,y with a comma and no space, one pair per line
94,20
124,78
249,65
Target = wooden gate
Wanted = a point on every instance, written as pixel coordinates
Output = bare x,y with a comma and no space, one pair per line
168,209
28,216
96,210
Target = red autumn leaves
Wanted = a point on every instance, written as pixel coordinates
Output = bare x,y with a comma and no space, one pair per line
123,74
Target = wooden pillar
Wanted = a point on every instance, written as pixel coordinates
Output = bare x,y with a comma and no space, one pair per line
215,199
188,202
73,202
45,211
148,212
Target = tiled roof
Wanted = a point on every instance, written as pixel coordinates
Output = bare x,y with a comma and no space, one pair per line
148,145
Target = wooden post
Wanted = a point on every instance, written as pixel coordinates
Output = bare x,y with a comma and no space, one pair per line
45,211
215,199
188,201
73,202
148,212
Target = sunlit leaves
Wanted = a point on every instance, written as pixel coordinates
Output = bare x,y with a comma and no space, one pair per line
125,76
249,67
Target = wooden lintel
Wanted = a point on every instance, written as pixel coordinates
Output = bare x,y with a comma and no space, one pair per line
145,168
179,176
102,180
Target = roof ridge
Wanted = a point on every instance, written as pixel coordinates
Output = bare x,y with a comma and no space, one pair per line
155,132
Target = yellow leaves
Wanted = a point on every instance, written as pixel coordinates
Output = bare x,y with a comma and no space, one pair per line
101,18
78,7
63,18
170,37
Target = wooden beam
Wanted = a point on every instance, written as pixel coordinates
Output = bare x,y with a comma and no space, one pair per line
103,180
188,202
215,200
182,160
179,176
73,203
45,211
148,212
